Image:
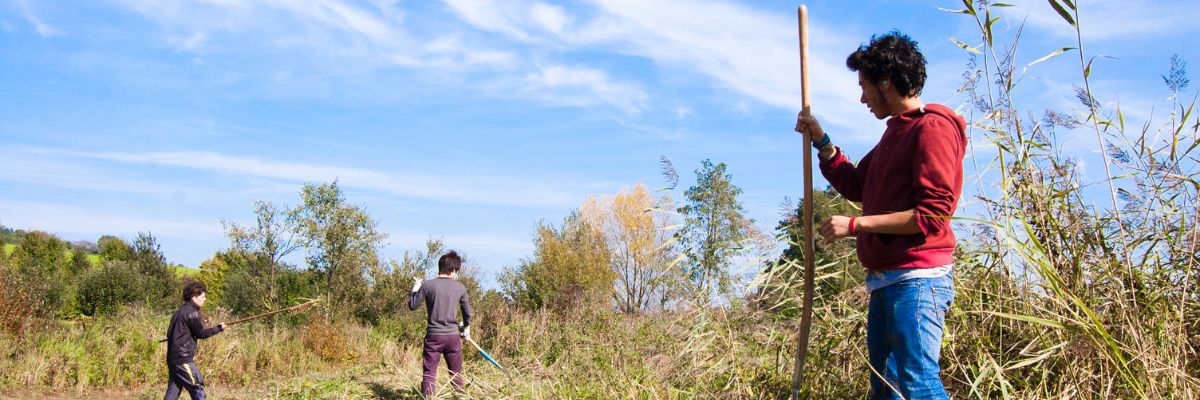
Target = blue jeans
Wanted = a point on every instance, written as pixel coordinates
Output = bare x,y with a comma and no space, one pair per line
904,337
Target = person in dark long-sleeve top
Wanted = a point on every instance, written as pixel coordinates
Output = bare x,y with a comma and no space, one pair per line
182,333
444,297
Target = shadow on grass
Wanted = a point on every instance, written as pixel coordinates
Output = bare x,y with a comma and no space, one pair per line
385,392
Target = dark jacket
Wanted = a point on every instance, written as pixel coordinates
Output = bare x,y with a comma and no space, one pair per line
443,298
918,164
185,328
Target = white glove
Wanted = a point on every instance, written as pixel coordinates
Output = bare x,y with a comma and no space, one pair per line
416,284
466,332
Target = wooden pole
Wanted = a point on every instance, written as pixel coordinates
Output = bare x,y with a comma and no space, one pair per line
809,246
297,307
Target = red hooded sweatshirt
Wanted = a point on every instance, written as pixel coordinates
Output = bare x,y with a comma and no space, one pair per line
918,164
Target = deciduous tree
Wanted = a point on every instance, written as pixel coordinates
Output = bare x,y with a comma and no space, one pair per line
570,269
275,235
714,230
342,241
639,241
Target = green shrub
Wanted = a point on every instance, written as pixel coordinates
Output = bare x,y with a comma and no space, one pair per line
103,291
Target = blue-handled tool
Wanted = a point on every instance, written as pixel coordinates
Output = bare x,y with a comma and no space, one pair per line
488,357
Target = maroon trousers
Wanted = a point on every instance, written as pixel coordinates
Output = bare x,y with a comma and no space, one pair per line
435,347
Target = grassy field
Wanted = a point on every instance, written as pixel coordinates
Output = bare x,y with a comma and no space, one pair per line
185,271
549,356
93,258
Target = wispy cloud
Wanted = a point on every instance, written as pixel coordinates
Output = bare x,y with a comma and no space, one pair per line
42,28
494,245
29,168
582,87
77,220
1131,21
330,31
745,51
469,188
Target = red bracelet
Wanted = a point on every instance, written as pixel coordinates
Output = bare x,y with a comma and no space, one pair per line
852,232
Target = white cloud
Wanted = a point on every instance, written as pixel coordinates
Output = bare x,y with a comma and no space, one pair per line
577,86
68,220
193,42
326,32
1130,21
470,188
550,18
521,20
493,245
33,168
682,112
42,28
743,50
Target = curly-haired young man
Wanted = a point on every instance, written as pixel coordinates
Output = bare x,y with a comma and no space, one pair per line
182,333
909,186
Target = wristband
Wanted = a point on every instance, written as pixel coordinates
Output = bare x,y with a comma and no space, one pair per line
852,231
824,142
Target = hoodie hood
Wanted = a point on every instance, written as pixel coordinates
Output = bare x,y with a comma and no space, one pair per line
907,118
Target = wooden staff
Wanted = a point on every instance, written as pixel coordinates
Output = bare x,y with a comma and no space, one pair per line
809,247
297,307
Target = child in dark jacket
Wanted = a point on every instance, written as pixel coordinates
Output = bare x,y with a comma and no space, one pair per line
185,328
443,296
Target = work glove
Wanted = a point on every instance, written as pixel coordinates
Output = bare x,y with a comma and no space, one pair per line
416,284
466,331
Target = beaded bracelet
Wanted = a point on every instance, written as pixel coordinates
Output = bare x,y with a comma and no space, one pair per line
824,142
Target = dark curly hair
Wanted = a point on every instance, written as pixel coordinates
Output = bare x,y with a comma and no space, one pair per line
192,289
893,57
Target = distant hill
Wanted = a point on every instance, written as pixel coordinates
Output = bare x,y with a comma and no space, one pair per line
185,271
180,270
93,258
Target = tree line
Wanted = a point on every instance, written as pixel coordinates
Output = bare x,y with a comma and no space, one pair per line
634,251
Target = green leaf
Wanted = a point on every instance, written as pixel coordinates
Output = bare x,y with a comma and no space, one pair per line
965,46
1002,5
1063,12
1030,319
1120,118
990,21
955,11
1049,56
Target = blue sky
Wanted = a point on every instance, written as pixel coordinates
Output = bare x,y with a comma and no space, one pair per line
471,120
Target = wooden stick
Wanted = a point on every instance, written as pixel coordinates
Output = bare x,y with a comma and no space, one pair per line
809,240
297,307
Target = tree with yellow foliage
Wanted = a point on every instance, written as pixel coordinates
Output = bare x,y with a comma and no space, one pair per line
639,240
